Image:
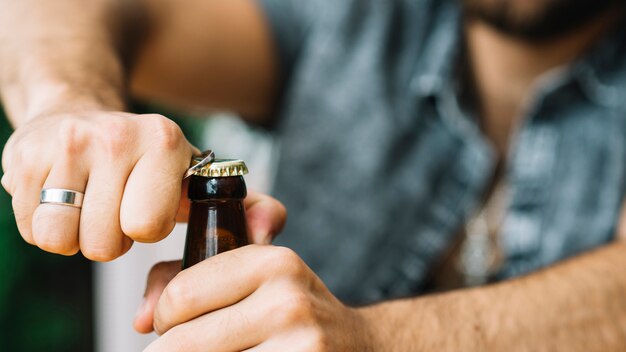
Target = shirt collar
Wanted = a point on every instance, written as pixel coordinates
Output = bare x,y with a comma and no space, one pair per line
436,65
602,72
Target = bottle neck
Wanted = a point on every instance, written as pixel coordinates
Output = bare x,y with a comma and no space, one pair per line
217,188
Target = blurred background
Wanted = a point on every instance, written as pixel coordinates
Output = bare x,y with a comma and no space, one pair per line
65,304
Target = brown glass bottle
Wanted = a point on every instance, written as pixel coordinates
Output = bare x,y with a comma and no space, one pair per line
217,221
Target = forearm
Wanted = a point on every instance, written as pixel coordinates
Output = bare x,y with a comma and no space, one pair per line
67,54
55,53
578,305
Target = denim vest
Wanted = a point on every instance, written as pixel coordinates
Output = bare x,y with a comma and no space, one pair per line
380,167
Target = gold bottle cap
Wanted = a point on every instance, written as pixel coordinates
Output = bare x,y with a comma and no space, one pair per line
220,168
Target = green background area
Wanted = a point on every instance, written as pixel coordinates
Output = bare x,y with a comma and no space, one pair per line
45,299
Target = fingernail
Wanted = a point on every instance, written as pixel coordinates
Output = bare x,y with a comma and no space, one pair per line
141,309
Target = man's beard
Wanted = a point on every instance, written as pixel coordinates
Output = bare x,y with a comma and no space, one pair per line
538,20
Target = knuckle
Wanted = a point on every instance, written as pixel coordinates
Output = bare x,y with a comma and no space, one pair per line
72,136
179,293
285,260
167,134
27,160
116,136
295,308
175,300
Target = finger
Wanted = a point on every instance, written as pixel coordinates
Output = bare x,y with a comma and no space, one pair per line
151,200
100,233
266,217
153,190
221,281
7,157
25,199
55,226
158,278
184,204
7,154
234,328
6,182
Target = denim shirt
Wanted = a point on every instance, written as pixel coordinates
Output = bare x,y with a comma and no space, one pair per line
380,167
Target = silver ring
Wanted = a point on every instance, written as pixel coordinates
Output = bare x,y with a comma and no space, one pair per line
61,196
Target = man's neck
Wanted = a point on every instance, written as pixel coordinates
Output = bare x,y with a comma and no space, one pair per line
504,70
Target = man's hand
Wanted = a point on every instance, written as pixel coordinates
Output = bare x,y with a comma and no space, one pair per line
256,298
66,65
130,168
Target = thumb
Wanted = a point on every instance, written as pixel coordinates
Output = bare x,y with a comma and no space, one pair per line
160,275
266,217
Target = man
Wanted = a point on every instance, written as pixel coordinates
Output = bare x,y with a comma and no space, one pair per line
402,123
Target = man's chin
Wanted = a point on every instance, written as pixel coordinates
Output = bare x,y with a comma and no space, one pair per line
537,20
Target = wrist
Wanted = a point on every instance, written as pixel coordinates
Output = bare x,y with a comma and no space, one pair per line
403,325
28,102
36,85
443,322
375,332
